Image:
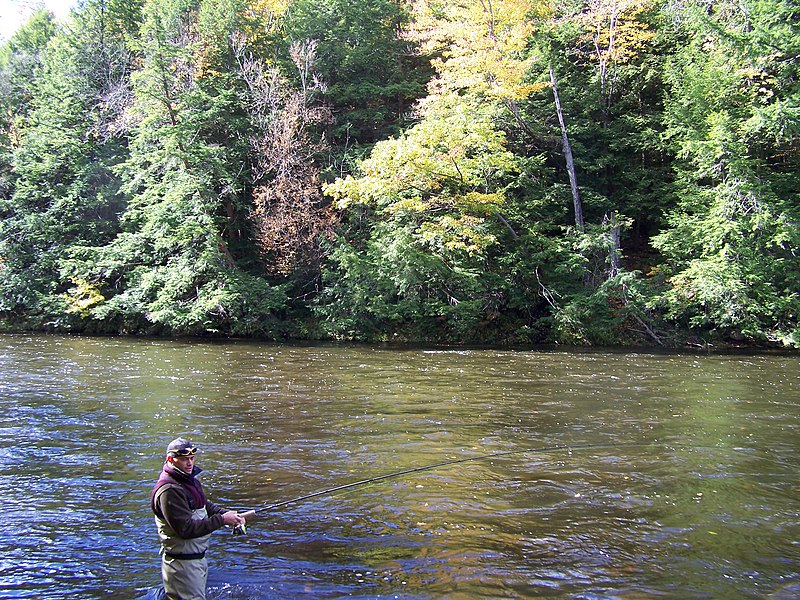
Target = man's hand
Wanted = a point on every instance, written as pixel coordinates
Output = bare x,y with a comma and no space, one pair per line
232,518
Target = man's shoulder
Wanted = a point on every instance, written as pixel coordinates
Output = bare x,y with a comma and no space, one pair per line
167,497
166,486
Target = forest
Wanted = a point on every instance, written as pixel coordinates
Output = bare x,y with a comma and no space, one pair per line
498,172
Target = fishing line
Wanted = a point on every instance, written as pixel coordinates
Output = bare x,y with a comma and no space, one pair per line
443,464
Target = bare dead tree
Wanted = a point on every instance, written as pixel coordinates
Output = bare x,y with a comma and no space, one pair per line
290,213
573,178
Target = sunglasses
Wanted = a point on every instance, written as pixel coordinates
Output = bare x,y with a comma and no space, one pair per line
185,452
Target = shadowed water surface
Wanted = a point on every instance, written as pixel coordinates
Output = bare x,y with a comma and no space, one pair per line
681,479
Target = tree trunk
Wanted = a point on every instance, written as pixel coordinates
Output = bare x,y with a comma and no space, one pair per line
613,253
573,179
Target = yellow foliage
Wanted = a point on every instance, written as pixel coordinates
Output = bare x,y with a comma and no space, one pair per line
615,29
460,233
414,204
82,297
477,202
275,7
268,12
482,44
480,199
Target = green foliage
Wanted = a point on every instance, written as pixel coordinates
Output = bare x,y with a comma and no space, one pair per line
612,94
734,265
20,65
64,192
372,75
394,289
170,270
439,190
615,313
733,118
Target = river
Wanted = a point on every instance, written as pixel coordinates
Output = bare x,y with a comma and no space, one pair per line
623,475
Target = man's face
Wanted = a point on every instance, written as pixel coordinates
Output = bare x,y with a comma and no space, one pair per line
184,463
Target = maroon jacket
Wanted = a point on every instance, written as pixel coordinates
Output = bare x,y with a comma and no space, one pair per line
174,497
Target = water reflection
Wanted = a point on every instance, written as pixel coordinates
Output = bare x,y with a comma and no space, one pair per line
692,491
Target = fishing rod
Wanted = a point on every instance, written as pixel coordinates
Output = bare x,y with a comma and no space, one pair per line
436,466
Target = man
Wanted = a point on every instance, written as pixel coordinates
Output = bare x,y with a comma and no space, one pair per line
185,521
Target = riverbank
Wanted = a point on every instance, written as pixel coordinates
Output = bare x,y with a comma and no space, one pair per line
681,341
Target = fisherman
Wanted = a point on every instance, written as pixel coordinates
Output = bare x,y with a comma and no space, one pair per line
185,521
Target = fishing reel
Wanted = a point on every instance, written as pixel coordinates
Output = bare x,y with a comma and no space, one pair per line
241,528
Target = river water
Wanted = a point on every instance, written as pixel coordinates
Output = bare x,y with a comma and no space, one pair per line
680,480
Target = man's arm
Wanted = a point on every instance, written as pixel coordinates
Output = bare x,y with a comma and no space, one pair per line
213,509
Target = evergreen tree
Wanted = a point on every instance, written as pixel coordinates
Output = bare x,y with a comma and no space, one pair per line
372,73
20,66
64,191
172,269
733,118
